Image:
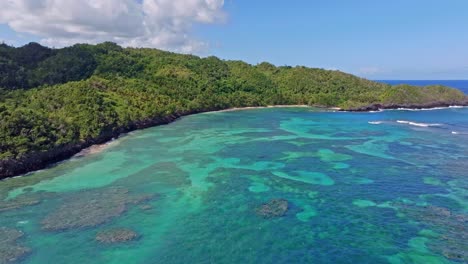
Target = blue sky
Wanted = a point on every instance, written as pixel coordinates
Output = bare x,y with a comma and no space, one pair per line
375,39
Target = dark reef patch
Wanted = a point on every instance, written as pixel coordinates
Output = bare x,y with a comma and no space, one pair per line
273,208
116,235
20,202
10,251
91,208
452,227
28,198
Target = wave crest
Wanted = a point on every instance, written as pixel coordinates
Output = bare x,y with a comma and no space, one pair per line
459,133
418,124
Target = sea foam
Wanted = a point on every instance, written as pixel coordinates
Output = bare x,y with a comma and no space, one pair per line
456,106
459,133
418,124
421,109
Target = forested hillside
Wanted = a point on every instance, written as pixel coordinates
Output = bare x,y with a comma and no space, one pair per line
53,102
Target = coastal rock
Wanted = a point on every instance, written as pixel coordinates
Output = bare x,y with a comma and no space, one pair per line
38,160
368,108
10,251
273,208
116,235
91,208
377,107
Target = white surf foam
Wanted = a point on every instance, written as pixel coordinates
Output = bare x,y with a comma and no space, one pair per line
421,109
418,124
423,124
403,121
429,109
456,106
459,133
375,122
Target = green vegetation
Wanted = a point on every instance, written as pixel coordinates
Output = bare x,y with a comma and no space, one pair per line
55,97
406,94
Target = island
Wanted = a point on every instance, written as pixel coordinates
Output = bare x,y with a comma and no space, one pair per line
56,102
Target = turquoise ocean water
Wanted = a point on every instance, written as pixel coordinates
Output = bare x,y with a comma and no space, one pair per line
384,187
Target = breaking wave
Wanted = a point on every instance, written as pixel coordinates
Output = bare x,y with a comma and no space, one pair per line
418,124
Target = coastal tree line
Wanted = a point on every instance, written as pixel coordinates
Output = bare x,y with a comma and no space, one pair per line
53,97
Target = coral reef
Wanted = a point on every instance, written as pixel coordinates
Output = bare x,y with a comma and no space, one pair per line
20,202
10,251
273,208
452,227
116,235
91,208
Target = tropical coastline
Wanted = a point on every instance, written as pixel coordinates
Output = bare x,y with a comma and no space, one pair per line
211,131
148,190
97,148
424,106
38,161
57,113
260,107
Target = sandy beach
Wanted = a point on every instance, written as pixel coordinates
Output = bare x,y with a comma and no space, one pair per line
260,107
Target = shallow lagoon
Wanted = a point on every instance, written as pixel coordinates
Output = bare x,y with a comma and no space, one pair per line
361,188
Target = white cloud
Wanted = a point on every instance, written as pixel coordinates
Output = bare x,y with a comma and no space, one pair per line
162,24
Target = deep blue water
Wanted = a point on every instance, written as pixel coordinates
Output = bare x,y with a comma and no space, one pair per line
459,84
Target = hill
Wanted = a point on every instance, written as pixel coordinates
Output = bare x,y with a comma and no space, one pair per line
55,102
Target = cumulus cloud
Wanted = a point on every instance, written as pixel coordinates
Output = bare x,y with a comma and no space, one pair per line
165,24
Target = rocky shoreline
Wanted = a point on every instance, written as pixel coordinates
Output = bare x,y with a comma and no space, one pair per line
378,107
40,160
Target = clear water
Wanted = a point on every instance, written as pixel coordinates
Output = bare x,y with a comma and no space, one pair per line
459,84
361,188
